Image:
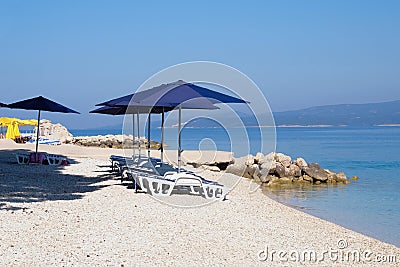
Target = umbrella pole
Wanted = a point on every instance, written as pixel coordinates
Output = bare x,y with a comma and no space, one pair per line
148,136
37,136
133,135
138,134
162,136
179,138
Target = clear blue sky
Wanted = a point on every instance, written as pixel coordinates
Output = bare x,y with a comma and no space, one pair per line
300,53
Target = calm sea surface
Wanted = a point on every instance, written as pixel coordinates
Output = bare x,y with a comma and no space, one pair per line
370,205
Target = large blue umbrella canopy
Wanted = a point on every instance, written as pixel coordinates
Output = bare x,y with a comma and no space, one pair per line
122,110
126,106
40,103
179,94
132,102
173,95
120,100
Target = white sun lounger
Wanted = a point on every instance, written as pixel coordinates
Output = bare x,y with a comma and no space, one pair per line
119,162
23,158
45,141
157,185
158,178
54,159
50,158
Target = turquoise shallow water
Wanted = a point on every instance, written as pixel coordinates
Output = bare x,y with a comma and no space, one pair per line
370,205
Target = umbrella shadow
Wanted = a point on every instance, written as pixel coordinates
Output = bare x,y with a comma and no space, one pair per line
21,184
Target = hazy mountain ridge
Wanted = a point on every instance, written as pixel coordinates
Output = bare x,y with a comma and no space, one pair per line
343,114
370,114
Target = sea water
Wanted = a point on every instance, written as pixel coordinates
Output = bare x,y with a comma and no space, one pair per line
370,205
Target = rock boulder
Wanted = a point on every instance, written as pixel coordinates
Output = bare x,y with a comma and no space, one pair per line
301,163
210,168
275,168
284,159
54,131
315,171
280,170
294,171
245,160
236,169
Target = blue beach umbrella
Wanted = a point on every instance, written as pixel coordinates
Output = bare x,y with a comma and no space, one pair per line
179,94
182,94
124,105
173,95
122,110
40,103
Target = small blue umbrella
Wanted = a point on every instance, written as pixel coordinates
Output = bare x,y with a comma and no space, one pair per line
40,103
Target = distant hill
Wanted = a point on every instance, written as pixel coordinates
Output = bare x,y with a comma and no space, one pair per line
370,114
345,114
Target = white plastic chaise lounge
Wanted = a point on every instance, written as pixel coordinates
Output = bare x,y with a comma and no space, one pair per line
45,141
118,163
23,158
160,178
49,158
54,159
163,185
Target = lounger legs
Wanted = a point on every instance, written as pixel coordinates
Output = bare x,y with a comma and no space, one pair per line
22,159
214,192
51,159
54,160
160,188
164,187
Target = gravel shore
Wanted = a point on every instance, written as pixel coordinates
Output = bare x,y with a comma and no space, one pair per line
81,215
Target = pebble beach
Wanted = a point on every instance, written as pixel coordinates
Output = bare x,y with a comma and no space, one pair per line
81,215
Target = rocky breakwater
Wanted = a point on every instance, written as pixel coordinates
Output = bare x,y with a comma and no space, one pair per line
54,131
113,141
275,168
